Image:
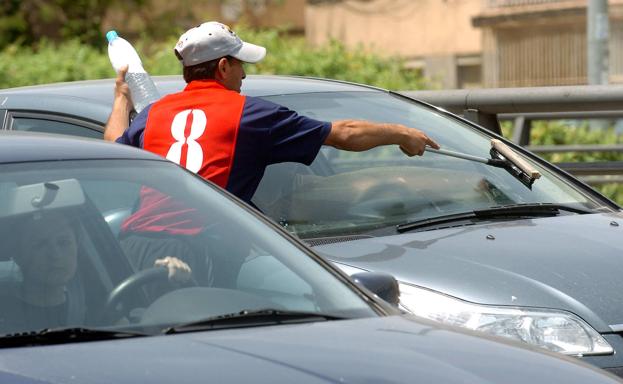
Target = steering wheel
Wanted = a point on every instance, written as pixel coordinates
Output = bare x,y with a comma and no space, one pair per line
131,285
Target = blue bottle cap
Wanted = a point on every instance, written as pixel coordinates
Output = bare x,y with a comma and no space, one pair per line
111,35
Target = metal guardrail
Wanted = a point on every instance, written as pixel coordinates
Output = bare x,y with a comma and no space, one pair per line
487,107
493,101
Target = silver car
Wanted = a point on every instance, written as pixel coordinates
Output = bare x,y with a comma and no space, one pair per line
471,245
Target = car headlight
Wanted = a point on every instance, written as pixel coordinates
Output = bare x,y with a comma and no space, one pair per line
556,331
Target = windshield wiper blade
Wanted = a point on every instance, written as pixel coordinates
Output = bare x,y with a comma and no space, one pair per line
529,208
50,336
250,318
502,211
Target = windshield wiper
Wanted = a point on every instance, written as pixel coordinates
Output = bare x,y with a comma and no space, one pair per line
502,211
50,336
251,318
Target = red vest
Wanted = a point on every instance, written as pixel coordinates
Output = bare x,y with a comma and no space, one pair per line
196,128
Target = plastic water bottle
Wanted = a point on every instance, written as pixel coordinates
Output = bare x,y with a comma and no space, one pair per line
142,87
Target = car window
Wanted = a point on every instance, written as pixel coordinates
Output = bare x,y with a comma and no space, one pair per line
53,126
383,187
91,230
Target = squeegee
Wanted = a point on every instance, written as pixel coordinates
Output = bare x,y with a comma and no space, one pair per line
502,157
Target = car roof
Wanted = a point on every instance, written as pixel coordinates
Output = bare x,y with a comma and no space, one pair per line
93,98
254,85
17,147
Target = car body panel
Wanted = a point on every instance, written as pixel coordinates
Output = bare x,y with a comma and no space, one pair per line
405,350
570,262
100,91
21,147
380,347
504,263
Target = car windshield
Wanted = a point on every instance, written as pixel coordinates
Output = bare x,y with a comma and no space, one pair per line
80,240
345,193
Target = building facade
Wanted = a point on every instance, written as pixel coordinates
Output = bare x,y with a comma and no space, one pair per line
542,42
473,43
435,36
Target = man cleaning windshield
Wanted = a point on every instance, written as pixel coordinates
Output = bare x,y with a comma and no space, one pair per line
228,138
225,137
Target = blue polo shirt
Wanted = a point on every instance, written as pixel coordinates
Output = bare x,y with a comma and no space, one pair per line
267,134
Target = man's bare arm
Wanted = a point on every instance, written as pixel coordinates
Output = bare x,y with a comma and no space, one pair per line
119,118
359,135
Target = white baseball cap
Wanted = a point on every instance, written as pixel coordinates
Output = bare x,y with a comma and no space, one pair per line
213,40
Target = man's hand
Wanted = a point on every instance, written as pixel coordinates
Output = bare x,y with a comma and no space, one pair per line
179,271
415,143
122,90
119,118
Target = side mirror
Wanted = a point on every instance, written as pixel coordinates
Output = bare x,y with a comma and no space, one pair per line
382,284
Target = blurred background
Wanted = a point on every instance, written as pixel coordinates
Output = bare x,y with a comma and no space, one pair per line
394,44
448,43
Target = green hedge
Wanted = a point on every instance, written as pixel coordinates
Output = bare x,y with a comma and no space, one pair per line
48,62
576,132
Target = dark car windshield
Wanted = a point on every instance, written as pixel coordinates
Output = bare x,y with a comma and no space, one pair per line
77,250
345,193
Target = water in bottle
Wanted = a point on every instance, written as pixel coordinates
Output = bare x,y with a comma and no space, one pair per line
142,87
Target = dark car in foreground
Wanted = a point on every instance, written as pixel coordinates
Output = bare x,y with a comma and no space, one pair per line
470,244
289,316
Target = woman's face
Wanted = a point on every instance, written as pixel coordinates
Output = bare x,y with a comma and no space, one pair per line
49,252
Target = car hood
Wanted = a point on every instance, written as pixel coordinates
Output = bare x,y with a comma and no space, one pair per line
376,350
571,262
